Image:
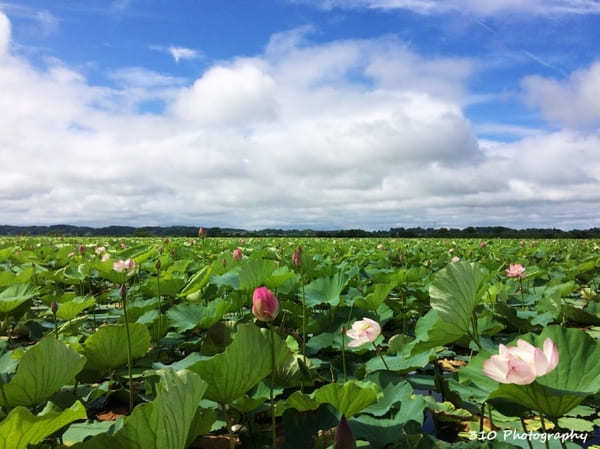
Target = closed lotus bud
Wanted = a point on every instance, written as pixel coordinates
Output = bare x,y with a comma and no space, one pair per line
157,264
201,232
81,250
123,245
482,244
297,256
265,305
54,307
160,249
237,254
123,291
165,241
344,438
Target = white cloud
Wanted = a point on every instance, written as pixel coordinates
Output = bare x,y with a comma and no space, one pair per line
4,34
300,135
572,102
178,53
478,7
181,53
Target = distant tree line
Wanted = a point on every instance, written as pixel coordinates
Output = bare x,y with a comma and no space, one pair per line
191,231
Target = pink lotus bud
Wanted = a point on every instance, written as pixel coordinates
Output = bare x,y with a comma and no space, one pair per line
124,265
297,256
344,438
81,250
157,264
160,249
201,232
522,243
54,307
123,291
482,244
455,259
515,271
521,364
166,241
105,257
242,242
123,245
237,254
265,306
363,331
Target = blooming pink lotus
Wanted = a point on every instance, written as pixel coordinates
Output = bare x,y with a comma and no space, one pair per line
515,270
124,265
455,259
237,254
363,331
521,364
265,305
100,250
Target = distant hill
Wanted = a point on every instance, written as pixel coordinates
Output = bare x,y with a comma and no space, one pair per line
192,231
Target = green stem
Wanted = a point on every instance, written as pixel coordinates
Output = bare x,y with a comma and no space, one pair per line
544,429
55,326
344,351
129,358
381,356
273,423
490,417
525,430
481,417
475,330
303,319
229,427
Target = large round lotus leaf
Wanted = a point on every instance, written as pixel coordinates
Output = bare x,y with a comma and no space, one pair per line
107,348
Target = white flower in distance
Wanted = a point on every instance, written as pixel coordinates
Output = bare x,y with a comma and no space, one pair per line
100,250
105,257
121,266
363,331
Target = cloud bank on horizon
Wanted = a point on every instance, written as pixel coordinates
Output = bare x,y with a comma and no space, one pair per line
310,131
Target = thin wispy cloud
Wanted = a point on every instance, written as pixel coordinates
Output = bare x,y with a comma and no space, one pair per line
479,7
178,53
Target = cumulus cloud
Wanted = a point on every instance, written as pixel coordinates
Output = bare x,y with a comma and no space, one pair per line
572,102
300,135
479,7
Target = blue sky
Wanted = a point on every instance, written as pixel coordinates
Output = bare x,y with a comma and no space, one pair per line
292,113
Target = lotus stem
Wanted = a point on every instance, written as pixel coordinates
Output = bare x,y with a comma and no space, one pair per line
273,422
229,426
525,430
344,351
381,356
129,357
544,429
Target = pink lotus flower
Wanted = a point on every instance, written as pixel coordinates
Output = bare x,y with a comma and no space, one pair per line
124,265
123,245
363,331
521,364
265,305
237,254
201,232
455,259
515,270
482,244
71,254
100,250
105,257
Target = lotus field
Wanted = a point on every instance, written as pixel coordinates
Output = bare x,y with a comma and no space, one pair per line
298,343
